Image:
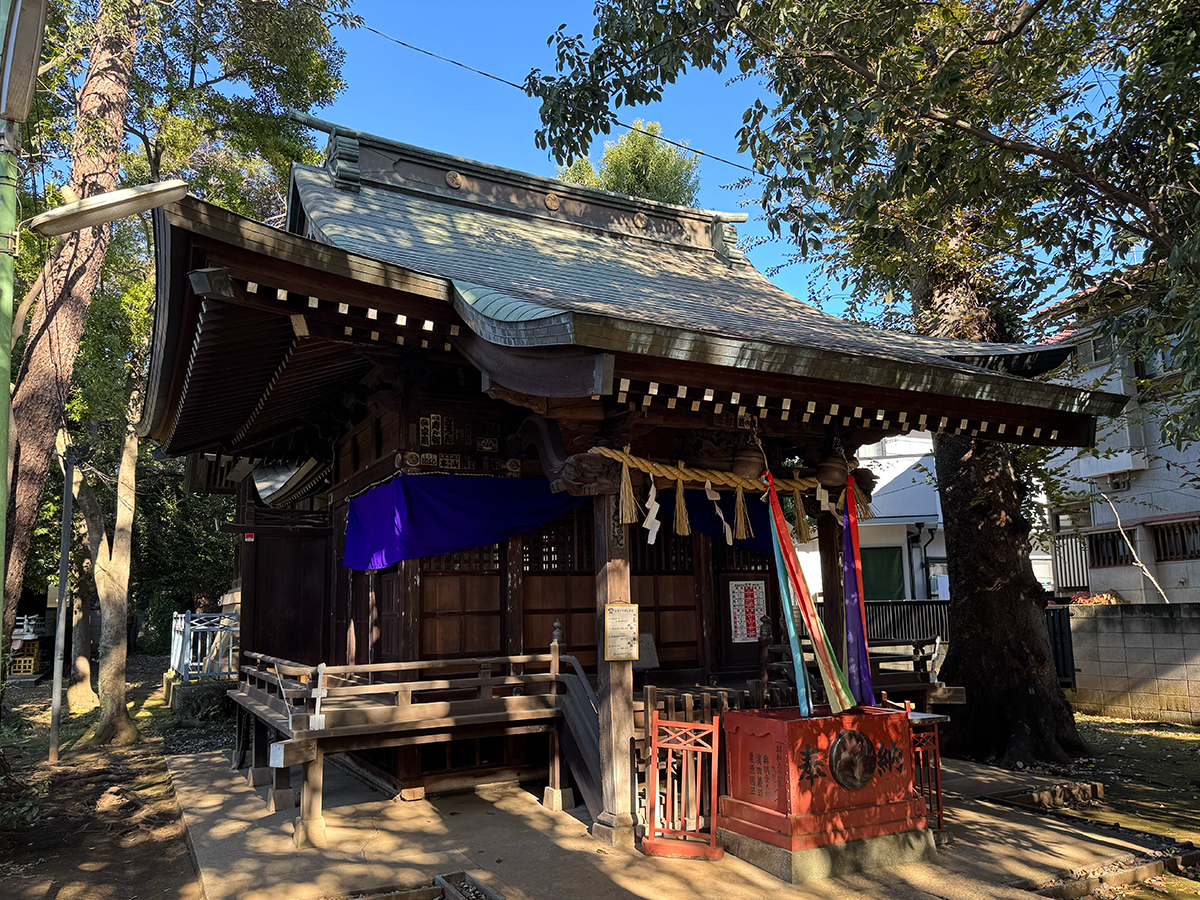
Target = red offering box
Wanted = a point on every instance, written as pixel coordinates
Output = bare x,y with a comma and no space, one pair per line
799,783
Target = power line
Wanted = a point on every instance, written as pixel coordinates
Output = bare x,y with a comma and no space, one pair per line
613,119
658,137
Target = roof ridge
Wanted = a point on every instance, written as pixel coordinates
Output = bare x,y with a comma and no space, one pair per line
334,130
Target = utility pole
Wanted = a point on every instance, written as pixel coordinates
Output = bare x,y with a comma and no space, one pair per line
60,628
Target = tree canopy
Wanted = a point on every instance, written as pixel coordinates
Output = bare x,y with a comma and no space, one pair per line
640,165
1036,144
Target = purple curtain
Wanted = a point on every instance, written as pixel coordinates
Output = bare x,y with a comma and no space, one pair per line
858,667
428,515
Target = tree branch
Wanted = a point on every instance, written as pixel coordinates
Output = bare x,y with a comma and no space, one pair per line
1158,225
1132,551
1028,11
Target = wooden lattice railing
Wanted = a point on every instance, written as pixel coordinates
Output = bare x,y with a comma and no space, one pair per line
332,701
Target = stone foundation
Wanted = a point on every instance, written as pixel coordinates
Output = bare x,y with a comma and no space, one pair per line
799,866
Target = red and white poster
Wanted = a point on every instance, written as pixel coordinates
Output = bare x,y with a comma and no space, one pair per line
747,605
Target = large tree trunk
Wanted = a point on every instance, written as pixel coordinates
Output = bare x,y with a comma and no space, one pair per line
999,642
111,560
70,276
80,696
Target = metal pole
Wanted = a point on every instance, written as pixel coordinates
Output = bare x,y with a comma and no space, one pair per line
10,144
60,631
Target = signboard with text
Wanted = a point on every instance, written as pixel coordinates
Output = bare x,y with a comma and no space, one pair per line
747,606
620,631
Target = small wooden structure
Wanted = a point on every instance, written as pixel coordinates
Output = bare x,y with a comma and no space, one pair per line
674,813
204,645
425,314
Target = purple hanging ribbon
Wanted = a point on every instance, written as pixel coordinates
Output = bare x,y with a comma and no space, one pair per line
858,666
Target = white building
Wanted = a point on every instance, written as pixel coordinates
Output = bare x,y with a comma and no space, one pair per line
903,547
1154,488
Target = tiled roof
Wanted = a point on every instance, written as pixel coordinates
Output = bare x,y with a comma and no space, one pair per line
523,271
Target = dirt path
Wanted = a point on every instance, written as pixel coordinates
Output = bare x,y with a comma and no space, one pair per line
98,825
106,825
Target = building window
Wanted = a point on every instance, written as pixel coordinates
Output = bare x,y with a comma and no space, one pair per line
1159,362
1175,541
1108,548
1094,351
1072,519
937,567
563,545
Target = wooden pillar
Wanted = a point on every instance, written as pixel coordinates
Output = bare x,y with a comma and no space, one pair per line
833,614
556,797
310,827
706,597
373,632
514,599
408,773
241,740
260,743
247,633
410,610
408,759
614,824
281,796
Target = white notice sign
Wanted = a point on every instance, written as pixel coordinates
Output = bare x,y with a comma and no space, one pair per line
620,631
747,606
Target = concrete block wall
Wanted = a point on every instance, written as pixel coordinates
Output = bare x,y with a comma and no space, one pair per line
1137,661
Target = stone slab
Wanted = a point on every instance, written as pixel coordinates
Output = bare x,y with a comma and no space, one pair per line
821,863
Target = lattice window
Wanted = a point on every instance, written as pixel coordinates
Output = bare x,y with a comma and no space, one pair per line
739,559
479,559
1108,548
563,546
671,554
1176,541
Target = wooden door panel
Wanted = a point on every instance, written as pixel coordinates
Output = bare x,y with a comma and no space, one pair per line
482,635
480,593
460,614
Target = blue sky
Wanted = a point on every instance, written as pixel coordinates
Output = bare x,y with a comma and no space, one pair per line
404,95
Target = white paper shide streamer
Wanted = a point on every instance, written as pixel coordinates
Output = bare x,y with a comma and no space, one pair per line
651,523
714,496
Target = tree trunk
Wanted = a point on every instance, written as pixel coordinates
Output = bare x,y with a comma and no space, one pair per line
80,696
111,561
71,275
999,643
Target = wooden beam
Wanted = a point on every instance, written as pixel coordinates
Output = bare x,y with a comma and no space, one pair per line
614,824
291,753
1067,427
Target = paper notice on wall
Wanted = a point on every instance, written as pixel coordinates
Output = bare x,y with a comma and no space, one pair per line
620,631
747,606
